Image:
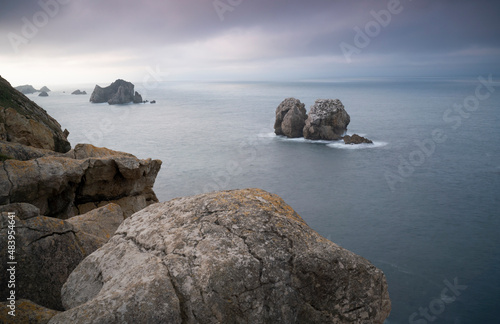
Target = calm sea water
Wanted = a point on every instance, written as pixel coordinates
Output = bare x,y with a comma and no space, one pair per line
422,203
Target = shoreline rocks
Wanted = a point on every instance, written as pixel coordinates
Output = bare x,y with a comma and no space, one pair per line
240,256
119,92
23,121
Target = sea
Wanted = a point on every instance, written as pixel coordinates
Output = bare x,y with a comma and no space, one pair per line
422,203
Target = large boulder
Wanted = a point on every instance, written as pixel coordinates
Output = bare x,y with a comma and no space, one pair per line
241,256
83,179
23,121
327,120
48,249
290,118
119,92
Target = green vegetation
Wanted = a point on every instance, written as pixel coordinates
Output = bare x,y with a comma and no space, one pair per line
4,157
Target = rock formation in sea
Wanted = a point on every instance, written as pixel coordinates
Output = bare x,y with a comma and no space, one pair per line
26,89
23,121
241,256
119,92
78,92
43,94
44,89
327,120
356,139
290,118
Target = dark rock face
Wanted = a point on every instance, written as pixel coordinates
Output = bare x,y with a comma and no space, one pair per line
26,89
241,256
23,121
356,139
290,118
137,97
49,249
78,92
119,92
43,94
327,120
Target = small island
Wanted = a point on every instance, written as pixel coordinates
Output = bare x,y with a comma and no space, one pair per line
119,92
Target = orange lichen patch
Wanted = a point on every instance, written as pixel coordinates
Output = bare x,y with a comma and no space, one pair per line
21,166
270,203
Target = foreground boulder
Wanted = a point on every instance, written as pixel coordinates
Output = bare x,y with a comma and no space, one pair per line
48,249
327,120
356,139
81,180
290,118
23,121
240,256
119,92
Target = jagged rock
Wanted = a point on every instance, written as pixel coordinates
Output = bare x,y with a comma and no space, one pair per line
26,89
44,88
23,121
43,94
119,92
327,120
59,185
48,249
22,210
290,118
78,92
153,102
137,97
241,256
27,312
356,139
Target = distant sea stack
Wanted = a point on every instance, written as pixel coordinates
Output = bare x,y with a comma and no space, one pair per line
119,92
44,89
26,89
78,92
43,94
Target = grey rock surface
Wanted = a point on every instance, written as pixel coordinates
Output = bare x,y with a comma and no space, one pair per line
48,249
290,118
241,256
327,120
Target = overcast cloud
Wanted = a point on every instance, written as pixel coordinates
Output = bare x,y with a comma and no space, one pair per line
77,41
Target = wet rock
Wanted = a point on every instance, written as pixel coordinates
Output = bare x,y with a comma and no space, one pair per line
356,139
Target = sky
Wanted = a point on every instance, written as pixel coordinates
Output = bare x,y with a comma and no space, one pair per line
44,42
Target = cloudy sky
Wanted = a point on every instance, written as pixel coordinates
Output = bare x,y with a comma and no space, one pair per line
90,41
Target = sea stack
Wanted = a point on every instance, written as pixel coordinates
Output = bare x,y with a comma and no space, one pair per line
290,118
119,92
327,120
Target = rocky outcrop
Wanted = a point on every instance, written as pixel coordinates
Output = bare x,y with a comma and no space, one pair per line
83,179
48,249
26,89
78,92
356,139
45,89
119,92
137,97
27,312
43,94
23,121
327,120
240,256
290,118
